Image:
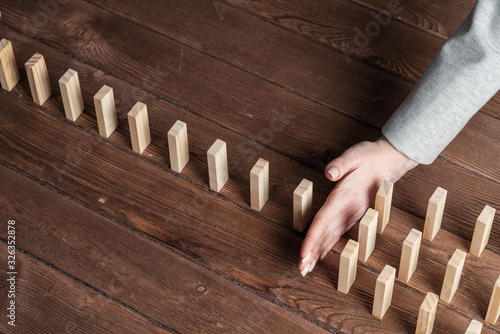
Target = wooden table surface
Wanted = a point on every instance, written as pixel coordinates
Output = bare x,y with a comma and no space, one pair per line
109,241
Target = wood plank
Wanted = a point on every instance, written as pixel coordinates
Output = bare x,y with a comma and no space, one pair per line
38,78
409,255
154,78
9,74
412,194
138,123
178,146
133,269
482,231
50,302
383,201
427,314
217,165
69,85
341,25
440,19
302,205
348,266
383,292
259,184
367,234
239,93
494,306
105,111
252,257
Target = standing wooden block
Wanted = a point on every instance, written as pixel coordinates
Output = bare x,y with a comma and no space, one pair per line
217,165
259,184
138,122
452,276
482,230
38,78
9,74
434,215
494,307
427,314
105,110
383,292
383,204
178,147
71,93
475,327
348,266
302,205
409,255
367,234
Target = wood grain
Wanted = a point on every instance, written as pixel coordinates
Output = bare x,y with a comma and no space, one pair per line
262,257
412,194
49,301
367,83
135,270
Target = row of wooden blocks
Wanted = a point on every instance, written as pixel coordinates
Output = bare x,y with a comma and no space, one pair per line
376,220
107,123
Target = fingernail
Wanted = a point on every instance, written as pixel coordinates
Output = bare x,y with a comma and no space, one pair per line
305,270
308,255
312,266
334,172
324,255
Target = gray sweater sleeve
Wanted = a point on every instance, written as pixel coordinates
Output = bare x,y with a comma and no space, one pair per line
463,76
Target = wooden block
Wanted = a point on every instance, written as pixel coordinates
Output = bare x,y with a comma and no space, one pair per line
494,307
482,230
434,215
348,266
9,74
259,184
475,327
452,276
38,78
427,314
217,165
367,234
105,110
71,93
302,205
409,255
138,122
383,292
178,147
383,202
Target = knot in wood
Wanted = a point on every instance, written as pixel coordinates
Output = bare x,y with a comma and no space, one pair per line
200,288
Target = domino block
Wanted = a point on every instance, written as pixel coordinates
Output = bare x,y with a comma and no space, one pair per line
71,93
427,314
482,230
409,255
138,122
475,327
259,184
302,205
383,202
38,78
383,292
434,215
494,307
9,74
217,165
348,266
178,147
367,234
105,110
452,276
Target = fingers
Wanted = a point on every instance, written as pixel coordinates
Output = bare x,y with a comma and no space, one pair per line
348,161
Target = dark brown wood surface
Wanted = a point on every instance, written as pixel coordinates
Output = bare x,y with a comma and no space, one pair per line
112,241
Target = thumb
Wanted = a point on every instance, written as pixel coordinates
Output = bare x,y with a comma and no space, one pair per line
338,168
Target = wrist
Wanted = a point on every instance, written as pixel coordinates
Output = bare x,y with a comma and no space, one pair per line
399,163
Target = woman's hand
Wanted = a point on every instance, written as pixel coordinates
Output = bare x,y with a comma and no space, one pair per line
359,171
